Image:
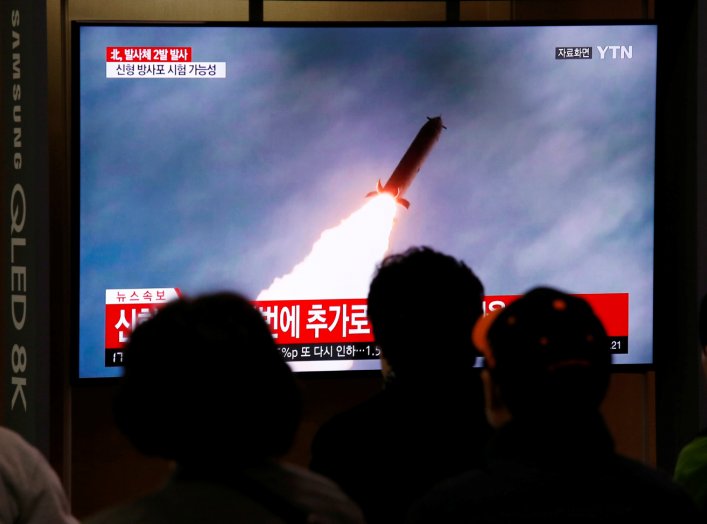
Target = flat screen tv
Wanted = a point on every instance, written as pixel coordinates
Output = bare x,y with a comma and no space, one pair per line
285,161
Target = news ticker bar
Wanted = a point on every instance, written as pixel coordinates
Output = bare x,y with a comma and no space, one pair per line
338,352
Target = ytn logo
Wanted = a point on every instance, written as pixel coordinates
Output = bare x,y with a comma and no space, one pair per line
615,52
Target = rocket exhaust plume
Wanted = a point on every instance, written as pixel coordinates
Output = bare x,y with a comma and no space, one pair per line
341,263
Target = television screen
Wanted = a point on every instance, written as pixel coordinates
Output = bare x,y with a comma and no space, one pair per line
285,162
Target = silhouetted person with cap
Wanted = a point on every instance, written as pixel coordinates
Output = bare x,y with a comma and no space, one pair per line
552,459
206,387
427,423
691,466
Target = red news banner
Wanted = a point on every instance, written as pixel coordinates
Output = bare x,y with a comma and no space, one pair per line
125,310
321,329
148,54
159,62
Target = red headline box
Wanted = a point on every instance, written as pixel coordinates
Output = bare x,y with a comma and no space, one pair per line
317,321
126,308
611,308
148,54
346,320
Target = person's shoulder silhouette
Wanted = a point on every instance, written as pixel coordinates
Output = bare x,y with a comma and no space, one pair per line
30,491
691,466
546,371
427,423
206,387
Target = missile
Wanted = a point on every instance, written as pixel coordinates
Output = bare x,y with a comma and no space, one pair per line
412,160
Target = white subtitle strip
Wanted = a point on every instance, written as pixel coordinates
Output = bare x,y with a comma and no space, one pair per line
137,70
334,365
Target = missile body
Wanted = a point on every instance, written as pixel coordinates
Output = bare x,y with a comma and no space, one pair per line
412,161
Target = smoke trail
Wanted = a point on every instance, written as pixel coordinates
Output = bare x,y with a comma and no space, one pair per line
342,261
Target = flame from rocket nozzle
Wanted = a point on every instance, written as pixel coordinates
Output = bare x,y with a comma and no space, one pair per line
343,259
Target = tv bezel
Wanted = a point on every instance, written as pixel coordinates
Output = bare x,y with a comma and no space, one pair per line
74,147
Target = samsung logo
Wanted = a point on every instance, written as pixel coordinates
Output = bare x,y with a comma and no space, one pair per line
19,361
607,52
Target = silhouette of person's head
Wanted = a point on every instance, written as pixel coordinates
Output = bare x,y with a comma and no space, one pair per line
422,305
205,384
546,352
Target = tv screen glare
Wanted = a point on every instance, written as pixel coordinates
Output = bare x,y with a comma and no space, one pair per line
285,161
